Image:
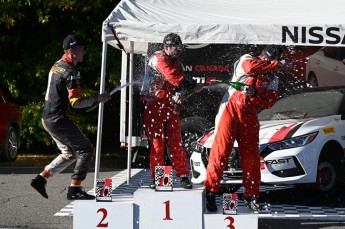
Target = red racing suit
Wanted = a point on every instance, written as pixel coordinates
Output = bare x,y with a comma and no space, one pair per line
161,115
237,120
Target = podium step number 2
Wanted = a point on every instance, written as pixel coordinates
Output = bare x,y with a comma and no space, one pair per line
92,214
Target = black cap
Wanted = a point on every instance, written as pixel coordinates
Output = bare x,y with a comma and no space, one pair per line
174,40
72,41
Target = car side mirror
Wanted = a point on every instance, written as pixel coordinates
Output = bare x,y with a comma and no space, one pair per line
344,61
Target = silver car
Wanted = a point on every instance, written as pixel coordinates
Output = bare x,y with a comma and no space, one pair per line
326,67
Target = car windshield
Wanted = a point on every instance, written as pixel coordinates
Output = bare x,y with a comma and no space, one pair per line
305,105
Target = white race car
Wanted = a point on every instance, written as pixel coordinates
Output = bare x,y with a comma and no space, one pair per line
302,141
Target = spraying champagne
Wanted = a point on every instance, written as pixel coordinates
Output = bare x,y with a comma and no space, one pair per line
181,96
112,92
236,85
245,88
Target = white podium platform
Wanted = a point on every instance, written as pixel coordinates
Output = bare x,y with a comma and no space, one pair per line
150,209
245,218
180,208
92,214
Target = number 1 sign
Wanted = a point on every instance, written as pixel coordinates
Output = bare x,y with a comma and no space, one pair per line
169,210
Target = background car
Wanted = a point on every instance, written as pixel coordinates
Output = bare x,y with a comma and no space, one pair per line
10,127
326,67
302,141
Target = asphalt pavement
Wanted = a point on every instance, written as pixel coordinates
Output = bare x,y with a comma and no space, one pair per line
22,207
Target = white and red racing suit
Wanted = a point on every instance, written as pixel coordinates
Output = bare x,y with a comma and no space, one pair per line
237,120
161,115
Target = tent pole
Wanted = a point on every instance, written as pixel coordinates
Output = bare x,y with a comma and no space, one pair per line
123,100
130,115
100,115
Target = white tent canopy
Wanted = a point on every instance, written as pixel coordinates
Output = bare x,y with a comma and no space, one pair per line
137,23
227,21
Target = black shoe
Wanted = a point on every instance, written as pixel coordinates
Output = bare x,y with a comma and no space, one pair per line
185,183
253,204
39,183
211,201
78,193
153,184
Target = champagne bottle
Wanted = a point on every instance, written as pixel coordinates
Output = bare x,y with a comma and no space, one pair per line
182,95
185,93
236,85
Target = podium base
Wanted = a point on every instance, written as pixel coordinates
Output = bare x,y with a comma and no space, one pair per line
245,218
180,208
92,214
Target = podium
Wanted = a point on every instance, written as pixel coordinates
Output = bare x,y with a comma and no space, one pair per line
150,209
115,214
245,218
180,208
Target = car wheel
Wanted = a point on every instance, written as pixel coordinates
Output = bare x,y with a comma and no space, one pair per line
312,80
326,176
192,129
11,146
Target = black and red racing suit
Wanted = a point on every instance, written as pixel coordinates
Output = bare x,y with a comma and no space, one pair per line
63,91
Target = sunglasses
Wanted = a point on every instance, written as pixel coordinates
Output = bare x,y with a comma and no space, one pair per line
178,47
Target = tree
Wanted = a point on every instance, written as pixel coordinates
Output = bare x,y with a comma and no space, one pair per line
31,41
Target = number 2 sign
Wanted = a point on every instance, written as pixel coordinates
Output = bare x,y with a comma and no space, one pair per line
102,223
92,214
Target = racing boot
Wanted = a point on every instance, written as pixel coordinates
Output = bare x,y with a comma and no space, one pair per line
211,201
253,204
185,183
39,183
153,184
78,193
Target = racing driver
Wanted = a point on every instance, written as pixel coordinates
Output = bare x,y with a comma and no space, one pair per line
64,92
237,120
164,76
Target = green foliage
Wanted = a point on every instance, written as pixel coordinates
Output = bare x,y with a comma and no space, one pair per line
33,131
31,35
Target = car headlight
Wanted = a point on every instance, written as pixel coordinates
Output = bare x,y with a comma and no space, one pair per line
293,142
